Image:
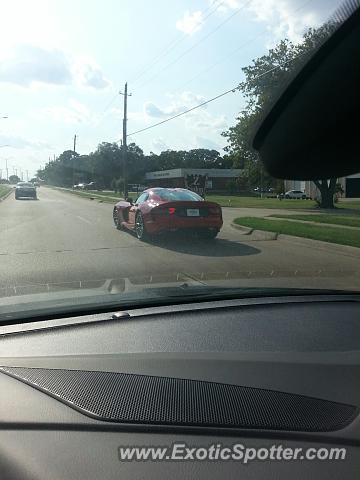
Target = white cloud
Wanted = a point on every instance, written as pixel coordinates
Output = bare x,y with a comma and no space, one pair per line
18,142
88,74
212,122
28,65
72,113
191,22
223,6
202,142
159,145
200,118
289,18
178,104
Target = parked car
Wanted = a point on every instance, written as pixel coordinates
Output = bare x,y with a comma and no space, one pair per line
79,186
25,190
91,186
161,210
299,194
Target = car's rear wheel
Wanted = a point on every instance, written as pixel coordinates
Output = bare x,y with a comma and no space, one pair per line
140,228
116,219
208,234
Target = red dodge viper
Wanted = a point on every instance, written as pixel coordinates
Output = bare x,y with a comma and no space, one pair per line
160,210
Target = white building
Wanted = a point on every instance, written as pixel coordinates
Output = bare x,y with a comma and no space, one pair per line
350,184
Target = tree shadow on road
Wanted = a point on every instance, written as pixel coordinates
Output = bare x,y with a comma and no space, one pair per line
205,248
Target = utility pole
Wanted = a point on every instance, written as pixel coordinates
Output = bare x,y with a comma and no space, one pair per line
27,175
7,169
124,143
74,150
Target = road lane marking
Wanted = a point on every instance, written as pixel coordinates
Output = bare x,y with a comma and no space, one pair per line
84,219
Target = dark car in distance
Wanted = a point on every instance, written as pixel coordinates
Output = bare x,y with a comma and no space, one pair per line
25,190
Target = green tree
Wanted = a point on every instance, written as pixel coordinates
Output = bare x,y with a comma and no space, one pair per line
14,179
264,79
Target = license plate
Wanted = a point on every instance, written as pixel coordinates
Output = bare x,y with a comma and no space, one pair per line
193,212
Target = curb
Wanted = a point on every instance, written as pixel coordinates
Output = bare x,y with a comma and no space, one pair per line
6,195
245,230
256,234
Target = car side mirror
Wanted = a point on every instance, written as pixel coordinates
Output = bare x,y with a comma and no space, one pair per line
129,200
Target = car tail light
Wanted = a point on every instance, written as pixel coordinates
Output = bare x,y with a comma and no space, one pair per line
215,211
163,211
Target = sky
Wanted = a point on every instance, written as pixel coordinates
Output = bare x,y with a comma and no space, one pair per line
63,64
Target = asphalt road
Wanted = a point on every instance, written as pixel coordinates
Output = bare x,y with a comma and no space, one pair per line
65,239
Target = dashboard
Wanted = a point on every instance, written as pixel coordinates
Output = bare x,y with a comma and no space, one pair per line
256,372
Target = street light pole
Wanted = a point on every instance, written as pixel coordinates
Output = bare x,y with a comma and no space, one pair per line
74,150
124,143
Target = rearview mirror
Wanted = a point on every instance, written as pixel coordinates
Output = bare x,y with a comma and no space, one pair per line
311,131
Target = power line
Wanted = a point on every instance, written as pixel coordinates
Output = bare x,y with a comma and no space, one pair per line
232,90
110,103
174,43
227,19
165,52
185,112
236,50
219,62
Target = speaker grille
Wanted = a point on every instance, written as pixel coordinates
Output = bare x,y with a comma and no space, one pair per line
143,399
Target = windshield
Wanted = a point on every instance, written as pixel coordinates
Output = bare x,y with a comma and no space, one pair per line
102,101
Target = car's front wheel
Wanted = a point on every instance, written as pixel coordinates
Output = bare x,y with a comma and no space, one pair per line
140,228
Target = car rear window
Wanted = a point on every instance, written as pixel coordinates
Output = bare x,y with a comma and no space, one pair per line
178,195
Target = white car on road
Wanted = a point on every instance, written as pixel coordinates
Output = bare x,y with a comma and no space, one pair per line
296,194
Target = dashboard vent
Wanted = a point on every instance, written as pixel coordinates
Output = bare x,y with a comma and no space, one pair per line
142,399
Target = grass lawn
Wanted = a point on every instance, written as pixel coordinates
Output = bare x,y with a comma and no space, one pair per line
351,204
107,196
112,194
4,189
316,232
325,218
257,202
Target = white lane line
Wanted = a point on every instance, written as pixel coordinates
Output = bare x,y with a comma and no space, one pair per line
84,219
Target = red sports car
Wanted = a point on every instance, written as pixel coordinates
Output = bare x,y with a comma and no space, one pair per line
160,210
